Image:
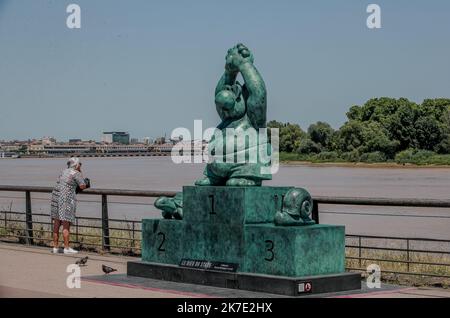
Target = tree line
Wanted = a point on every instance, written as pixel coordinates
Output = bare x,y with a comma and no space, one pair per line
383,129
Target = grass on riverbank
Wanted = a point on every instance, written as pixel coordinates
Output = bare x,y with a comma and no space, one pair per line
407,157
88,236
394,265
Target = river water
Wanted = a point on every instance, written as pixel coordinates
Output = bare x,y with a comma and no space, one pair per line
160,173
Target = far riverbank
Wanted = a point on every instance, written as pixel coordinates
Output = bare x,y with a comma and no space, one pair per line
293,159
407,158
378,165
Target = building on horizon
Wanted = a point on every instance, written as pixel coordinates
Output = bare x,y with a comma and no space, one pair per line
160,140
147,141
48,140
119,137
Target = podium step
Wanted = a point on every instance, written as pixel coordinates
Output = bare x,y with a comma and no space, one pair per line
288,286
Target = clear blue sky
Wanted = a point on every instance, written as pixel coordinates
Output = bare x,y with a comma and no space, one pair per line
149,66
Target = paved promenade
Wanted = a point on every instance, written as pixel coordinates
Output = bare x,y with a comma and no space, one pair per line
35,272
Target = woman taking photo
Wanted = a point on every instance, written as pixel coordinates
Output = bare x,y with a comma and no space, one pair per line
64,202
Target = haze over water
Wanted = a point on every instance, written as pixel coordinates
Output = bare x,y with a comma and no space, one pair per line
160,173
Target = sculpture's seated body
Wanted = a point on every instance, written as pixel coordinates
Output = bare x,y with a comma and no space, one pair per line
242,110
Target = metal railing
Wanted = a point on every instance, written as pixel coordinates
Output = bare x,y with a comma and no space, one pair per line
401,255
105,220
406,256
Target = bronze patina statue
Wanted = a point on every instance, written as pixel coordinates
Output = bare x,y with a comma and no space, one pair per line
296,209
171,207
242,109
232,223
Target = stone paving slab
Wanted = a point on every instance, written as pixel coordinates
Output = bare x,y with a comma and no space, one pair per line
10,292
43,274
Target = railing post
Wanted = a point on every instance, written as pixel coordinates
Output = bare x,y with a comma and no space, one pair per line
76,231
28,218
133,241
315,211
359,253
407,254
105,223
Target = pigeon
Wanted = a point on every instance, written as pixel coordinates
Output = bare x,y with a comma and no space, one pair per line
82,261
107,269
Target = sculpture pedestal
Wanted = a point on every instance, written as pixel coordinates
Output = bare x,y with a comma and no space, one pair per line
288,286
235,225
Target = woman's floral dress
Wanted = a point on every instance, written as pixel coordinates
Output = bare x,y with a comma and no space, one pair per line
64,201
